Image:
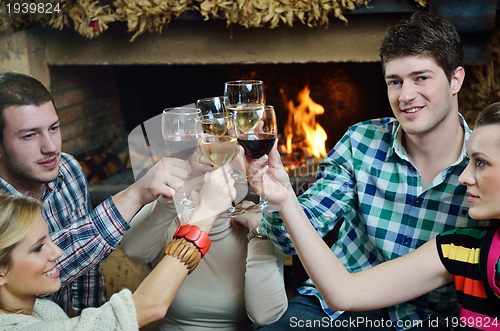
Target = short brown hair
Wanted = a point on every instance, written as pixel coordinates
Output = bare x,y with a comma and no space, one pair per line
18,89
425,34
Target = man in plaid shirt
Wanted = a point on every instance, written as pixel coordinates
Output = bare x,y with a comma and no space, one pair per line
31,163
394,181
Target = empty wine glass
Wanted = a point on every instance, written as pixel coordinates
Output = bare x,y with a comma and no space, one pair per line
180,128
256,131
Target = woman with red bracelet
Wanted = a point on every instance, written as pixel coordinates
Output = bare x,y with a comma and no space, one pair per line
238,287
28,268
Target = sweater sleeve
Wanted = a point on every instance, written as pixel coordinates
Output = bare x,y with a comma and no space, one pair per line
265,295
118,314
146,239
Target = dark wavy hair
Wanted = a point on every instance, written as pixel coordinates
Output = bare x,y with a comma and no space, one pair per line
424,34
489,116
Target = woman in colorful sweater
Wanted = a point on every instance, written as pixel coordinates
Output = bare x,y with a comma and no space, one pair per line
468,257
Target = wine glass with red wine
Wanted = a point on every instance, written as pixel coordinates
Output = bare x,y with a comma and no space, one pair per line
181,128
256,131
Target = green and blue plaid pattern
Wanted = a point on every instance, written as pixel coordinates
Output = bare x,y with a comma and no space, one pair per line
368,180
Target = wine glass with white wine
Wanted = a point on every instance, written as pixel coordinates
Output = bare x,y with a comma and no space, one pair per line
256,131
219,145
211,108
245,94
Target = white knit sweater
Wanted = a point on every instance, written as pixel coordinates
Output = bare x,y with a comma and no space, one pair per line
116,314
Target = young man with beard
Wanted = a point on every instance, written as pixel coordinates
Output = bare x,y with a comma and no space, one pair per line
394,181
31,163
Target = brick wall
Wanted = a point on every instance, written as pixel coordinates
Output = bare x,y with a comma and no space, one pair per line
88,106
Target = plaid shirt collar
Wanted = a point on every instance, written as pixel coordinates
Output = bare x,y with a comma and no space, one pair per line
397,148
49,187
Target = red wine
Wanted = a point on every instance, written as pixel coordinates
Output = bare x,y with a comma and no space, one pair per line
257,145
181,147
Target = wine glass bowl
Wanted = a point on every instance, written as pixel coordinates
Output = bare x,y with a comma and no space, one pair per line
244,95
244,92
256,130
212,105
215,143
215,124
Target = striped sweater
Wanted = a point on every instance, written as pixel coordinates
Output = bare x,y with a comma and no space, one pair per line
471,256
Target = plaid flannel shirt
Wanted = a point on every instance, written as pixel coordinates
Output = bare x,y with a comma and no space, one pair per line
368,180
85,236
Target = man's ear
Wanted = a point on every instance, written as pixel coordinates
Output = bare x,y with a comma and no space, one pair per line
456,82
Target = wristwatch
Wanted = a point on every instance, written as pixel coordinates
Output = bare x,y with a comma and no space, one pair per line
257,232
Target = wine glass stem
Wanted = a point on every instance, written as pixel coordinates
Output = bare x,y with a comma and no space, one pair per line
182,198
263,201
232,208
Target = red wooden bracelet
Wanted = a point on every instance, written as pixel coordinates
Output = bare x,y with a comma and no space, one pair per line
193,234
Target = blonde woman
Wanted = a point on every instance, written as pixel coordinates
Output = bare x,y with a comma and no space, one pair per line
28,267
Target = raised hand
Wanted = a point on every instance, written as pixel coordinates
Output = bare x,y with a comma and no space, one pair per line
268,173
164,178
216,196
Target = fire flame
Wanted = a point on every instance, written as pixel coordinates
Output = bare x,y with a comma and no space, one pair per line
302,123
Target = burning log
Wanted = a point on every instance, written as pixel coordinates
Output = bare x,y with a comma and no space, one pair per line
304,138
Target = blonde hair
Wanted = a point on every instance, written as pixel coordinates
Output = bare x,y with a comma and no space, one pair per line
17,216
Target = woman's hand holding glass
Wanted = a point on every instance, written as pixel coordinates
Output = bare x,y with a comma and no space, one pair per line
216,196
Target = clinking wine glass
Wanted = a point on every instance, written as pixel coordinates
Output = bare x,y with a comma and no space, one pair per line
180,128
256,131
219,148
245,94
212,108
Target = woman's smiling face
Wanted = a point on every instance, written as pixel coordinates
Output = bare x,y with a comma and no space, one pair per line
482,174
33,269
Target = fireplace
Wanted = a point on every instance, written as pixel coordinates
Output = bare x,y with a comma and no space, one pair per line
100,105
107,86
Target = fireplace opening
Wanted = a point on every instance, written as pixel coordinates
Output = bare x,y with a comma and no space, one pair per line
348,92
100,105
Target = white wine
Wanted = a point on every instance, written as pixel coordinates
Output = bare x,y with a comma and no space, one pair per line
246,116
220,150
215,126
